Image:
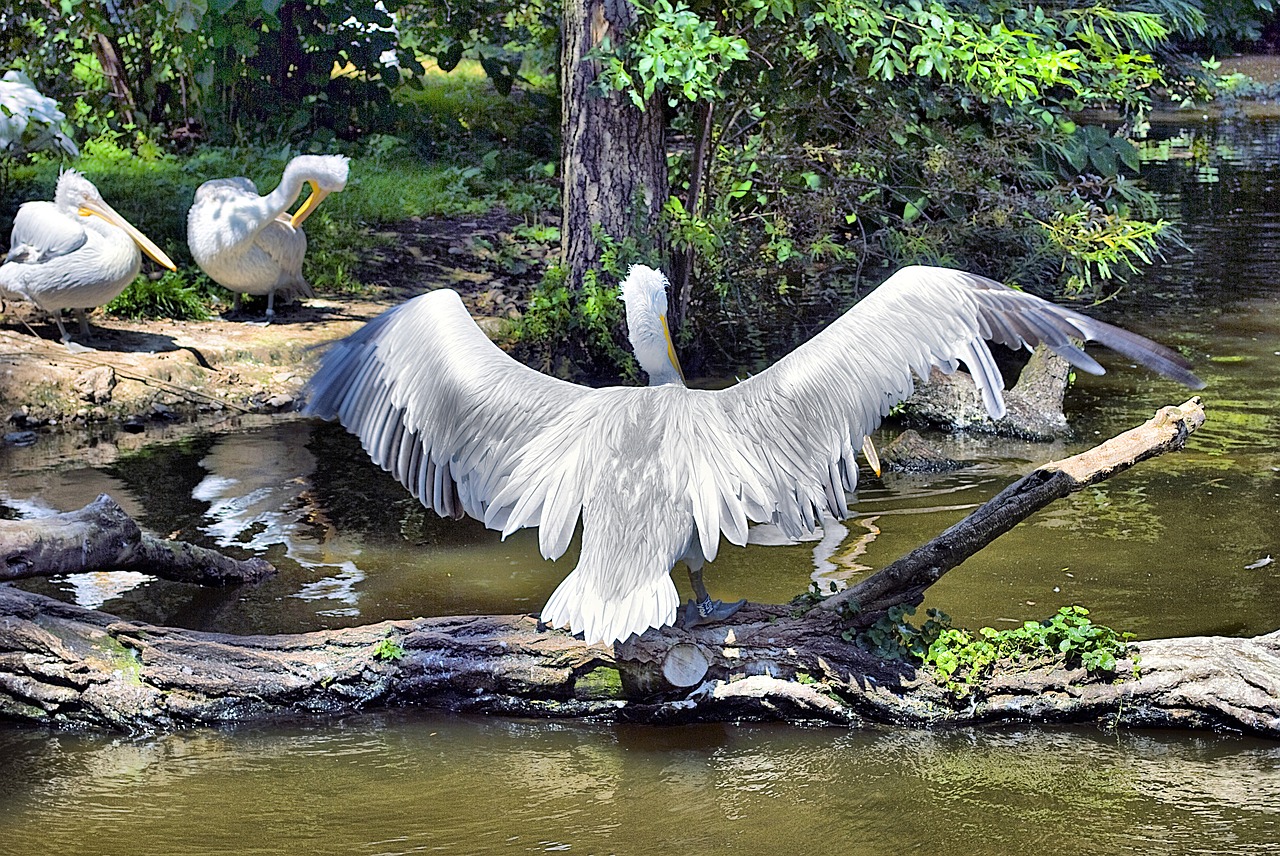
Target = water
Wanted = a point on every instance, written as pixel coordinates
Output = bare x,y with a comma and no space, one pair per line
1162,550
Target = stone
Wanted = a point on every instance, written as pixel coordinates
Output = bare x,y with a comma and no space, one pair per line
96,385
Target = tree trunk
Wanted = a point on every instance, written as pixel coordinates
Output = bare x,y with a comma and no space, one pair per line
113,69
65,665
613,154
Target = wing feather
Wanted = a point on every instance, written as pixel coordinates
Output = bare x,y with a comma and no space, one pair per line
441,408
41,231
800,420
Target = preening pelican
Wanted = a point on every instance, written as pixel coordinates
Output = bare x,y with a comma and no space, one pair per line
250,243
657,474
75,252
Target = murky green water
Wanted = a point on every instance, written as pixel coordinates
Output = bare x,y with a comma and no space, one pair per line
1162,550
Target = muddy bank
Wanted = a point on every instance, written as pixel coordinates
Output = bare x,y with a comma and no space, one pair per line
147,376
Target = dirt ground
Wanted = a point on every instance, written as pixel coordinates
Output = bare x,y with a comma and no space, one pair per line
154,373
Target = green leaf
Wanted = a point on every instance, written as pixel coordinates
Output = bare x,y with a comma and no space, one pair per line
449,58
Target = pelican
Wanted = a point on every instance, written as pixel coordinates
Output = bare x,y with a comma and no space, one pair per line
657,474
30,122
75,252
250,243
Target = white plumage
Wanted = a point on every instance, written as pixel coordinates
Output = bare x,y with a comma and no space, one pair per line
75,252
250,243
29,121
658,474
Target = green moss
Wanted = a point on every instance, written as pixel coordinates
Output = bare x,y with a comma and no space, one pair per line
602,682
961,660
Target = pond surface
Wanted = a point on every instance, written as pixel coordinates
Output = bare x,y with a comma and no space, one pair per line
1163,550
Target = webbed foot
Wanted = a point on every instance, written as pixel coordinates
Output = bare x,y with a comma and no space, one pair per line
708,612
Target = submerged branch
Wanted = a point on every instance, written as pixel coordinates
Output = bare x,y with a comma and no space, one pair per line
102,537
905,580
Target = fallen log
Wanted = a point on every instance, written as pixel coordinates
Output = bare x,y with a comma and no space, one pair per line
65,665
102,537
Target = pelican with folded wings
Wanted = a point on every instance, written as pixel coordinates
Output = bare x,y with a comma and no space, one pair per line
251,244
658,474
75,252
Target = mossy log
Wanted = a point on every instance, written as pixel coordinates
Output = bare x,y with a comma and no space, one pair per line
65,665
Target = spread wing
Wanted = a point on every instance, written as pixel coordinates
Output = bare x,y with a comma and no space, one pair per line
802,419
42,232
436,404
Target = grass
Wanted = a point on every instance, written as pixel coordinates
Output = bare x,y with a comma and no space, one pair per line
457,157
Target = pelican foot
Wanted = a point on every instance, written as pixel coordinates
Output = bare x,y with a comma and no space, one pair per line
77,348
708,612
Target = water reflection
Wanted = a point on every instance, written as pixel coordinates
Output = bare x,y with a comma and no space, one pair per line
402,784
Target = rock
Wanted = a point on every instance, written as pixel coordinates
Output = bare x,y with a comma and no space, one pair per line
280,401
134,425
21,438
909,453
96,385
1033,406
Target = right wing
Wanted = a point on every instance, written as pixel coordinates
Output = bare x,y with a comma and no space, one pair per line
803,418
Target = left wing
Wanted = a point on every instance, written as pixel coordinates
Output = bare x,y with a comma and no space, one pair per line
41,231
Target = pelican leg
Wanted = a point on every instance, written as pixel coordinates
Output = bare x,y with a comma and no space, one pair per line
271,305
62,328
84,321
235,304
702,609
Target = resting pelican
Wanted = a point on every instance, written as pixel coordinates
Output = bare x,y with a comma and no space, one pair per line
75,252
250,243
659,473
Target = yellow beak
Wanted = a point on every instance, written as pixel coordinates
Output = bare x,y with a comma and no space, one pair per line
98,208
671,349
313,202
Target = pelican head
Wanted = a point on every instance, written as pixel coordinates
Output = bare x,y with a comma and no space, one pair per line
644,292
76,194
325,173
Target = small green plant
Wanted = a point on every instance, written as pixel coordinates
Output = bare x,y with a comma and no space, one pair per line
388,650
961,660
178,294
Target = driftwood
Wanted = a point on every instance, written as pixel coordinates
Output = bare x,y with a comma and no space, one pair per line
1033,407
905,580
102,537
62,664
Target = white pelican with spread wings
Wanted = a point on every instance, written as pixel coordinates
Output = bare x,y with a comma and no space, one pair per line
658,474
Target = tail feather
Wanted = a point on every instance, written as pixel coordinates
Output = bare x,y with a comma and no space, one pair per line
580,605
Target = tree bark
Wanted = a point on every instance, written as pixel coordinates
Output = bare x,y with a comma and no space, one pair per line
102,537
613,154
65,665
